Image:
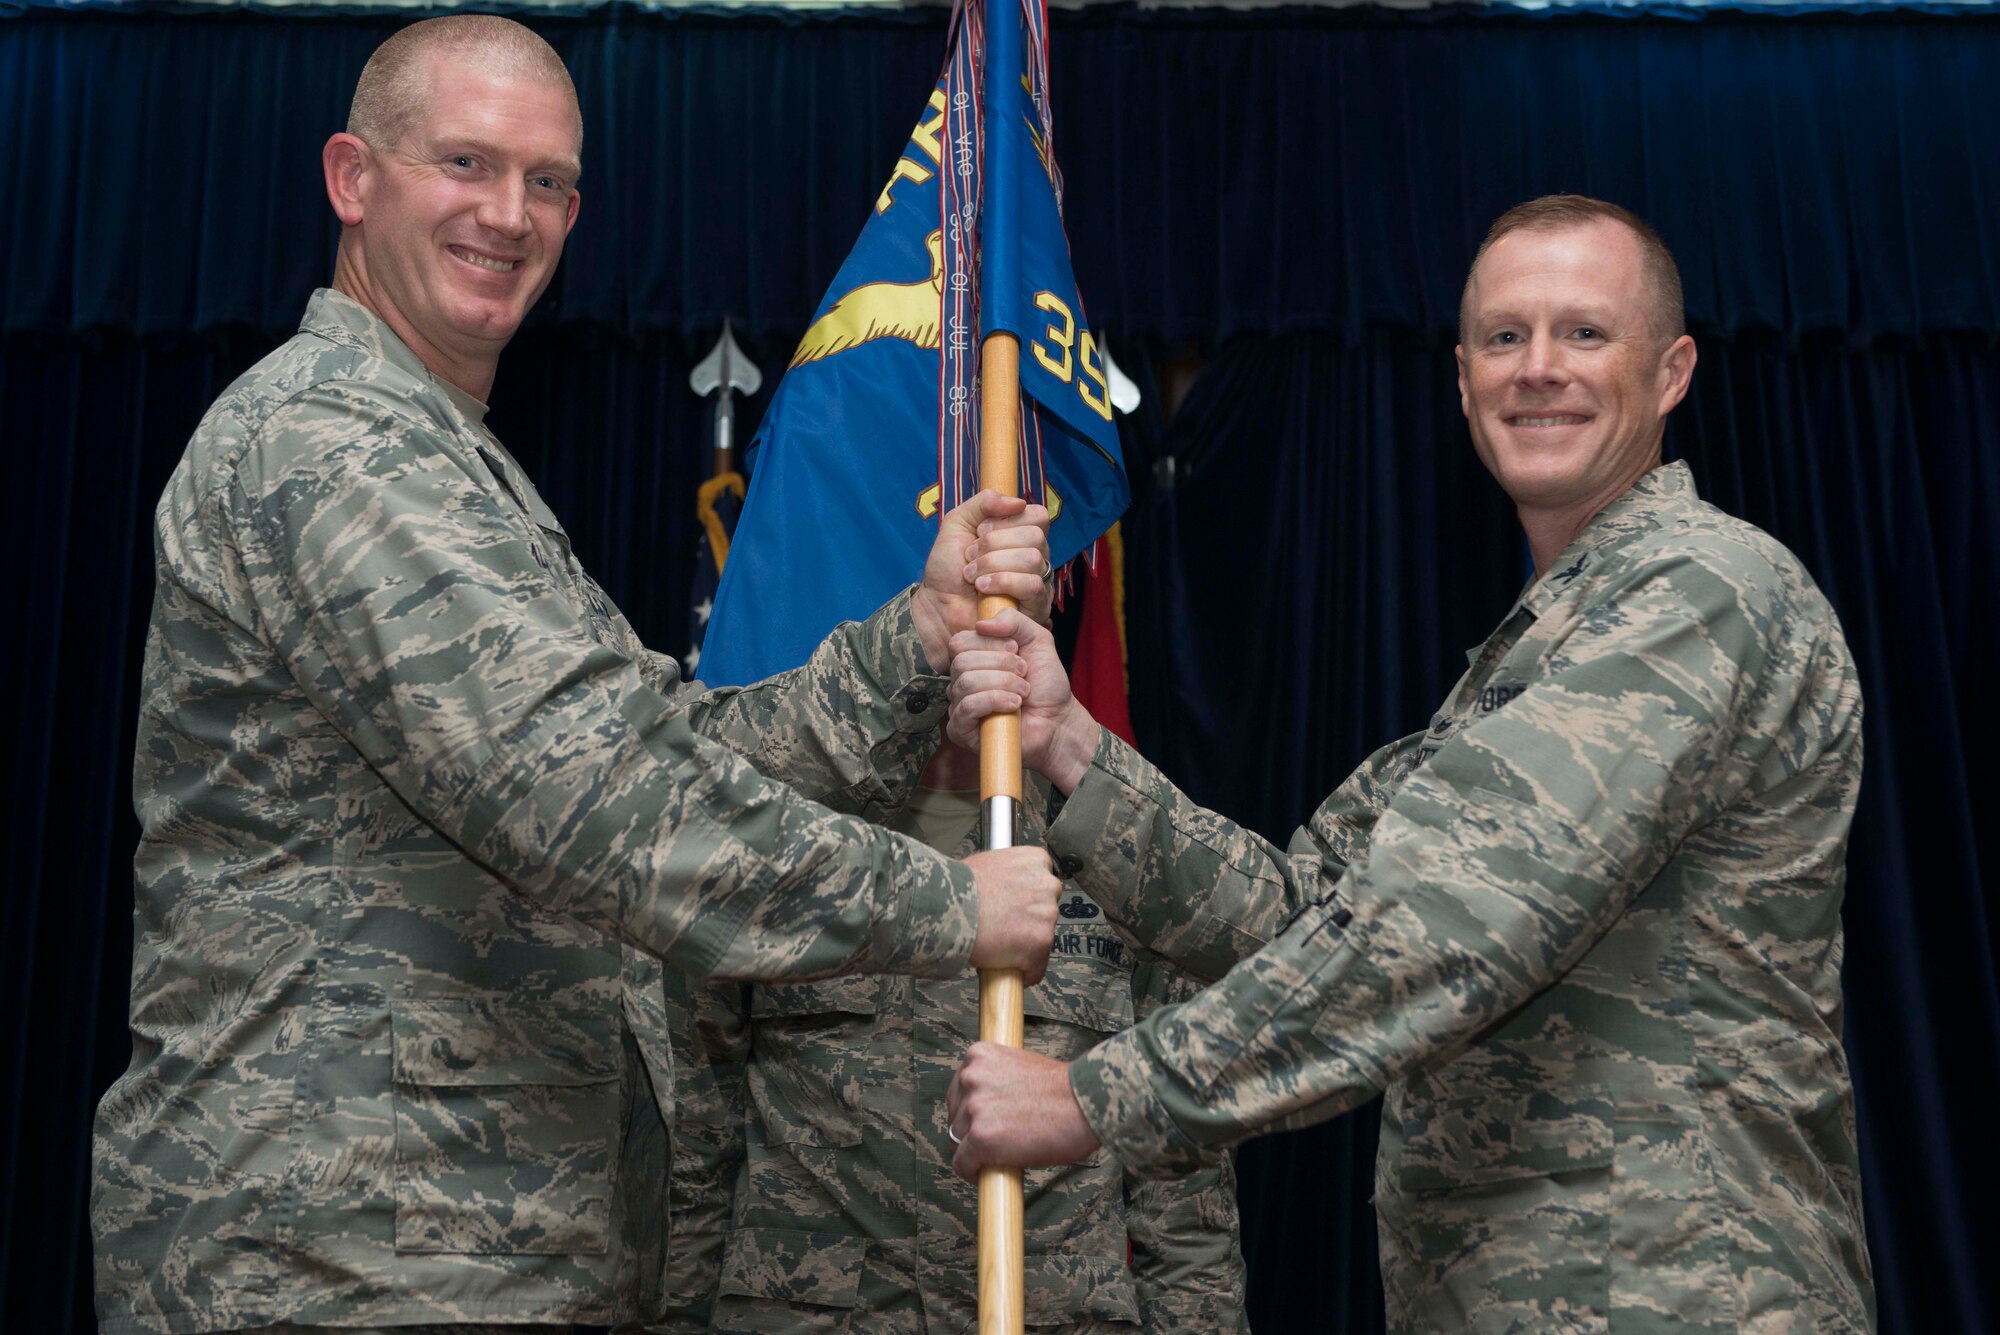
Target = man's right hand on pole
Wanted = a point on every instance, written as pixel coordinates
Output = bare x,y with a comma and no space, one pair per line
1018,888
1007,664
991,545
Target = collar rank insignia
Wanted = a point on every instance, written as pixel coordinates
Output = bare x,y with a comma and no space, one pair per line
1571,572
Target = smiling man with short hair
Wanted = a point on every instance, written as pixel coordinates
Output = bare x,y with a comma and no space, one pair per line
416,803
454,208
1572,351
1582,932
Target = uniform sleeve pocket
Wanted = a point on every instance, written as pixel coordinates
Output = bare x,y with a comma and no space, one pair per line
1477,1140
505,1118
785,1265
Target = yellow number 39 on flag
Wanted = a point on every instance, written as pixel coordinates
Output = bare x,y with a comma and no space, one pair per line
1074,350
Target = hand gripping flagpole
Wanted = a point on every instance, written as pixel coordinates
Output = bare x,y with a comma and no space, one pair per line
1002,1263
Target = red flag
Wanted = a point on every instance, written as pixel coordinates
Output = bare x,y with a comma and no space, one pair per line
1097,671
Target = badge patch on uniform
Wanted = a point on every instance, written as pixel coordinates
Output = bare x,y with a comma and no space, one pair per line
1434,740
1098,945
1570,572
1499,693
1074,935
1078,906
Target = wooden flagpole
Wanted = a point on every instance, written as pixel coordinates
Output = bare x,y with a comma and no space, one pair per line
1002,1265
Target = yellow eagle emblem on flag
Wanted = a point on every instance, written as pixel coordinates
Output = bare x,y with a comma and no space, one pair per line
907,311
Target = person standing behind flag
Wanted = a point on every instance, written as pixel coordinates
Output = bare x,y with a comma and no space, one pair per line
841,1213
812,1185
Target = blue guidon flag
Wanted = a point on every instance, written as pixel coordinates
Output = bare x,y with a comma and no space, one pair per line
874,430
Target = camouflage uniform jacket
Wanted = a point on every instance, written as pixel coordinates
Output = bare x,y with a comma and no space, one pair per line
408,784
1584,930
813,1188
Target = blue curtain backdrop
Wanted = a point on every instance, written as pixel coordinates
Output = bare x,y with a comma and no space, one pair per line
1311,542
1228,174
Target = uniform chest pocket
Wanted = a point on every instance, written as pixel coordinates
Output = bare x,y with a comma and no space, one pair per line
579,591
1085,996
505,1121
534,521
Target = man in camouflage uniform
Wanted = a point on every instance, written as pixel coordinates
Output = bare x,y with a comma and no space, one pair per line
414,798
1583,930
812,1182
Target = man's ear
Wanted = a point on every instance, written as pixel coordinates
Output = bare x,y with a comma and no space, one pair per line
1676,372
347,160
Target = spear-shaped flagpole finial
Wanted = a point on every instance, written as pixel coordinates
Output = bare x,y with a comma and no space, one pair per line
725,369
1124,394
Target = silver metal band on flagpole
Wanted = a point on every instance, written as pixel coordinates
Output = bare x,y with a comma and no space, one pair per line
998,813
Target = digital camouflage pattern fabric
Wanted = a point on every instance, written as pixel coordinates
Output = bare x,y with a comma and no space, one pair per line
813,1188
1186,1231
1584,930
414,799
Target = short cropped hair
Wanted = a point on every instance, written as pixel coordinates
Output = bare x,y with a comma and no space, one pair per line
394,92
1556,213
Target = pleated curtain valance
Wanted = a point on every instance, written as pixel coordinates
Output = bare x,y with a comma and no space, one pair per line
1226,173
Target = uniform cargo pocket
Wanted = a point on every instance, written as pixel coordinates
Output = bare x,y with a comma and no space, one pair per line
811,1060
767,1273
812,1064
1071,1290
506,1116
810,1105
